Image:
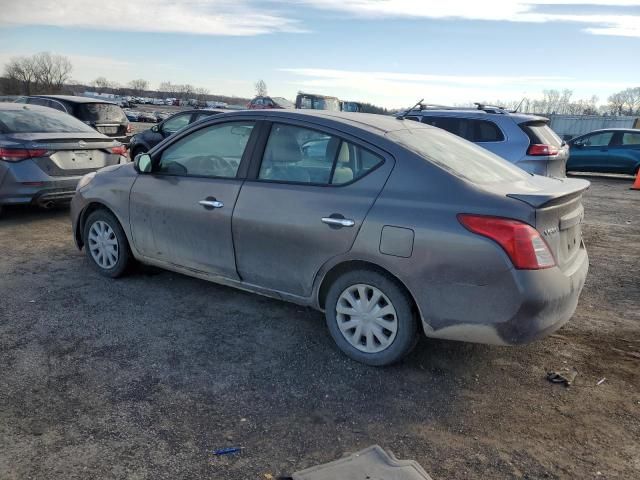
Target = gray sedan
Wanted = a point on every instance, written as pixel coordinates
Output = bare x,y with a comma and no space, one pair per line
44,153
388,226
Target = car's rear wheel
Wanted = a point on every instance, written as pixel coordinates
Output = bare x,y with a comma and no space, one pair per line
370,318
105,244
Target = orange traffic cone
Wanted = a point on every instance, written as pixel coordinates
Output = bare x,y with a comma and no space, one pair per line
636,184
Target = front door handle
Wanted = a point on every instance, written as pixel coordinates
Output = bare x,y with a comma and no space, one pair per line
211,203
338,222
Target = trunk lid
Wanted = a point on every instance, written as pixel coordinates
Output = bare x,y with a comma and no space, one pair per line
69,154
558,214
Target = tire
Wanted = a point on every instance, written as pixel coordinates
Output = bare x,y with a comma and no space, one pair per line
371,351
110,238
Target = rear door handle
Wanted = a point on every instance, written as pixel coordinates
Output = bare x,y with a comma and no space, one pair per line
211,203
338,222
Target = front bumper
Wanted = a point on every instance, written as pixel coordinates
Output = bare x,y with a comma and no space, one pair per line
530,306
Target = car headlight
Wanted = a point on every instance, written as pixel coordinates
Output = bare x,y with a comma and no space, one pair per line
86,180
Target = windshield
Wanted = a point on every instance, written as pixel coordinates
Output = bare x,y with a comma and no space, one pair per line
45,120
100,112
460,157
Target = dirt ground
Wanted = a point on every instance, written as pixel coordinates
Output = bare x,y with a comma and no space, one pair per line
142,377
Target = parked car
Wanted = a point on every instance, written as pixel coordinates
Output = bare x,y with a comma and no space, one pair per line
614,150
396,225
146,140
44,153
160,115
148,117
106,117
260,103
313,101
524,140
132,115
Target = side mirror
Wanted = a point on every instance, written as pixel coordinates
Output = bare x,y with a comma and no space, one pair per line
155,128
142,163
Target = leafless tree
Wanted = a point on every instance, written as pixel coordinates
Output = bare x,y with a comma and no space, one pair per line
202,93
52,71
21,70
261,88
101,84
139,85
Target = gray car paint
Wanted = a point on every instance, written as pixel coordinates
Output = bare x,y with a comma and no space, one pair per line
464,285
47,179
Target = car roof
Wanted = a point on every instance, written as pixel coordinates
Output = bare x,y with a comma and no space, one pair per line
379,124
73,99
24,106
475,113
628,130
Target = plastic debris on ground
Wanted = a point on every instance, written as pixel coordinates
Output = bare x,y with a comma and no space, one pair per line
565,376
371,463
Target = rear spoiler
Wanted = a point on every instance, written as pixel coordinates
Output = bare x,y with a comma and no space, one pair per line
564,191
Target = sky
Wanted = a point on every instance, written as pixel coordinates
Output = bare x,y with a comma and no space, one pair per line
387,52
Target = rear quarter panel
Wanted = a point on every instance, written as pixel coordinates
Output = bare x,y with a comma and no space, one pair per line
448,263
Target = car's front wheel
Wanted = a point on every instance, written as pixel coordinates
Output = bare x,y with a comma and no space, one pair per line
370,318
105,244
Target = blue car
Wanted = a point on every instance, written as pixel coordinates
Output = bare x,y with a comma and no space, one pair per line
613,150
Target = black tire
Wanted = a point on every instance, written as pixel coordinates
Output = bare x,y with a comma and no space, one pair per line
407,326
124,252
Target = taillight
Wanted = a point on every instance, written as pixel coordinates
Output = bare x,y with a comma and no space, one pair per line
18,154
524,245
128,128
119,150
538,149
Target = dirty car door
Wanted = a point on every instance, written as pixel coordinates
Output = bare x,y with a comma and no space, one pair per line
305,205
181,211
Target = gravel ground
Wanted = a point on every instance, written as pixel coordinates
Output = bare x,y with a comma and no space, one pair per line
142,377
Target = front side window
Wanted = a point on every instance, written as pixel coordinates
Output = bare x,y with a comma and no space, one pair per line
175,123
214,151
598,140
300,155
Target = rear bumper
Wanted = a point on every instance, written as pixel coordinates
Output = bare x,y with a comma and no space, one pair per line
24,183
531,305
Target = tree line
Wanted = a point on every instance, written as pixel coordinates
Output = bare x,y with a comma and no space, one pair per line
50,73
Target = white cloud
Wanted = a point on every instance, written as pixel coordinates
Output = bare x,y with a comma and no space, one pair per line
393,89
206,17
614,22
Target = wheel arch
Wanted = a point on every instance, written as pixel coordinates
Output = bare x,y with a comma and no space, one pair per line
350,265
88,210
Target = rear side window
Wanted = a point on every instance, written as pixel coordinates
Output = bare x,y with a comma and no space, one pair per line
630,138
540,133
461,158
468,128
28,120
100,112
300,155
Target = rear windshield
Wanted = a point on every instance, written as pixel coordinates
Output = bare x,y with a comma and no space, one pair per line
100,112
539,132
460,157
42,120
